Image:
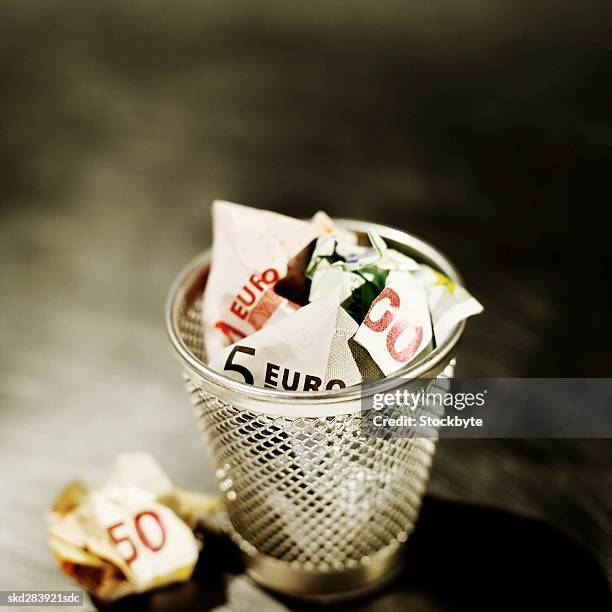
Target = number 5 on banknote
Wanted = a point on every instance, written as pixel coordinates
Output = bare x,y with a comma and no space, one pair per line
235,367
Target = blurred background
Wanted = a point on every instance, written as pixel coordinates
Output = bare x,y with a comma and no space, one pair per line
482,127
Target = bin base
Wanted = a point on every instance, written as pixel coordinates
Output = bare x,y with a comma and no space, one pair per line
323,586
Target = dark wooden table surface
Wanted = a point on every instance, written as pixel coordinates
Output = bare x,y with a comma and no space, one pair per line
484,128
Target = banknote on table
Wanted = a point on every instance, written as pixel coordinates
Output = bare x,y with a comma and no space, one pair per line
130,535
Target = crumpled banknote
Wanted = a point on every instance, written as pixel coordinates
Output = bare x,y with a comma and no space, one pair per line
397,327
309,306
253,250
133,534
307,351
360,271
448,302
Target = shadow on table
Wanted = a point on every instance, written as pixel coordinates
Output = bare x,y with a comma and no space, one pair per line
459,557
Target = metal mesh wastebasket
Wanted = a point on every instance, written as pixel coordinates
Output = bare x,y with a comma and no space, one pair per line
317,508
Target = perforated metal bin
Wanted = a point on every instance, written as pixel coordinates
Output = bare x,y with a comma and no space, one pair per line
317,509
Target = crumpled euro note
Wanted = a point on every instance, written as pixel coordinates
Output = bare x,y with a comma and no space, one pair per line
448,302
360,271
396,328
298,353
253,250
337,310
133,534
